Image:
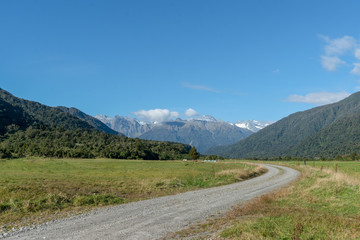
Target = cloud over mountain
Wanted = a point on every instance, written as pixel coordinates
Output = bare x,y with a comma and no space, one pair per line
156,115
191,112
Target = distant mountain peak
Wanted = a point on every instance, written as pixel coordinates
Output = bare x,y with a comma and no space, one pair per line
207,118
253,125
131,127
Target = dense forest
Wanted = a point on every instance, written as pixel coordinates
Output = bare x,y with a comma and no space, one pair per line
32,129
58,142
340,138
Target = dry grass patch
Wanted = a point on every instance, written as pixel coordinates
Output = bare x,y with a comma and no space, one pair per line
342,177
243,174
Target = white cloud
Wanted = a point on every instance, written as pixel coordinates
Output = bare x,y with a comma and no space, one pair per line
318,98
346,46
339,46
357,53
356,69
191,113
156,115
331,63
199,87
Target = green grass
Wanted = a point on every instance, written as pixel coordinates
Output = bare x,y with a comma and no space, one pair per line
322,204
351,168
37,189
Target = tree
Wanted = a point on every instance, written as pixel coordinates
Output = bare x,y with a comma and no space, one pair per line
193,153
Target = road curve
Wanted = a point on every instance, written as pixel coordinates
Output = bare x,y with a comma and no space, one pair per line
155,218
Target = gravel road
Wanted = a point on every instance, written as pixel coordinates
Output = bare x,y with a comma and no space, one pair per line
155,218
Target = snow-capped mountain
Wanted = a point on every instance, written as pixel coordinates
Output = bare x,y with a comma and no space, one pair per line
203,132
253,125
207,118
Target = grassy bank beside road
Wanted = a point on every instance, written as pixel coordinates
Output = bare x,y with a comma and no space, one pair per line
322,204
37,190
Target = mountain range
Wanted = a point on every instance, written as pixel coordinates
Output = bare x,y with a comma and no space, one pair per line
29,128
198,133
203,132
325,131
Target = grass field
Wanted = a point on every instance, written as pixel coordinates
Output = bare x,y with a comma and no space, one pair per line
322,204
36,190
351,168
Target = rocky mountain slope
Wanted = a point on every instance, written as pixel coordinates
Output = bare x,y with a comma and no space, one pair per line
126,125
203,132
199,133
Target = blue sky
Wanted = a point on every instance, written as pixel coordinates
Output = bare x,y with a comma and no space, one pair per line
235,60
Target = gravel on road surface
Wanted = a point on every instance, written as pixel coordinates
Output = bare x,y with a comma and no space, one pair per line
155,218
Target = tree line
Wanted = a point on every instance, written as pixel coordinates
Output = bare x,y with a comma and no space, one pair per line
46,141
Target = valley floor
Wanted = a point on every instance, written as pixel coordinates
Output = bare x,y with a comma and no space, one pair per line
157,217
323,204
36,190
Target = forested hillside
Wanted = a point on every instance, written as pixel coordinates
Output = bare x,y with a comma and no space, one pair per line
342,137
29,128
89,119
322,131
12,117
43,114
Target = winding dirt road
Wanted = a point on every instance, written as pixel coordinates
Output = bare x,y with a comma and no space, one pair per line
155,218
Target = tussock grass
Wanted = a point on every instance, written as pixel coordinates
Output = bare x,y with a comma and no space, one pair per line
37,190
342,177
242,174
322,204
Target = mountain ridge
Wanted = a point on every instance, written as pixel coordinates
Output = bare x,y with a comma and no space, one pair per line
40,113
89,119
70,118
282,137
126,125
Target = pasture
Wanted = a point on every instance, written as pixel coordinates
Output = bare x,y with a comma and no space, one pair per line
323,204
34,190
